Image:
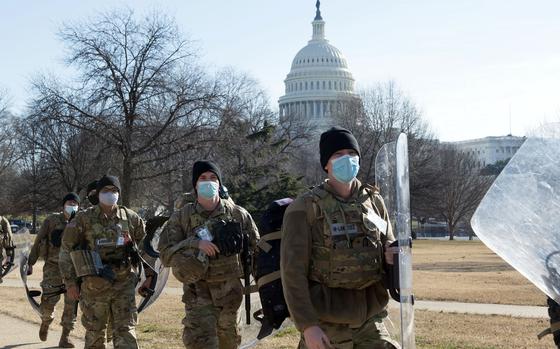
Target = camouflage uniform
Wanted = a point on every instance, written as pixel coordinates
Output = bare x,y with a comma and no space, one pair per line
554,313
332,265
100,297
211,303
6,240
47,246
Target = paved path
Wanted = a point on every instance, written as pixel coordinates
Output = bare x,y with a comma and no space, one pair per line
525,311
446,307
16,333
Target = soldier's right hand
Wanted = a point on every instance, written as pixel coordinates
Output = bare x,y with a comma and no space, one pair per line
315,338
73,292
29,269
209,248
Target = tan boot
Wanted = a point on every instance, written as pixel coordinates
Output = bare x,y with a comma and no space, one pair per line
44,331
65,340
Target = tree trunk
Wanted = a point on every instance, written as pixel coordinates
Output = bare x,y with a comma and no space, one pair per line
126,182
451,232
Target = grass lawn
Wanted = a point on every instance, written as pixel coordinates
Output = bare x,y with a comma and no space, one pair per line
462,271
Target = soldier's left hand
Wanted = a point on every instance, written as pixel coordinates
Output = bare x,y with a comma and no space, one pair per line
144,290
390,252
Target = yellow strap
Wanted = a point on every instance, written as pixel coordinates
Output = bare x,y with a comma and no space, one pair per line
263,280
555,326
264,245
272,236
251,289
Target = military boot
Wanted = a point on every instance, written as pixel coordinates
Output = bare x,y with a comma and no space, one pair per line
65,340
44,331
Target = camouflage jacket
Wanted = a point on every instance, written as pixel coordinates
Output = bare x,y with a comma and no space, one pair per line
48,240
305,231
91,226
180,230
5,233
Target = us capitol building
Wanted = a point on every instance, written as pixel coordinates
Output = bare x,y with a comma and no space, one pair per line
319,85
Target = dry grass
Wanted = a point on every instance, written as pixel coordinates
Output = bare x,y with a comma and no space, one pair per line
467,271
454,331
458,271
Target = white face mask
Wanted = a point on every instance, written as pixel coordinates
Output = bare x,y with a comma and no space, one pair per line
70,209
109,198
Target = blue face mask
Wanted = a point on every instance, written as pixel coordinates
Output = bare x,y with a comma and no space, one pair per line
346,168
207,189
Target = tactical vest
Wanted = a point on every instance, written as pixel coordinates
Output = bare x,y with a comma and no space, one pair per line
349,253
220,268
50,247
110,241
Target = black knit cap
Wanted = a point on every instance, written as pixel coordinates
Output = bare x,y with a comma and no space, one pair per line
202,166
91,186
108,180
71,196
335,139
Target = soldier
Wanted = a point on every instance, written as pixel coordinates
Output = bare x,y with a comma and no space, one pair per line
332,254
202,243
6,241
554,329
99,245
47,246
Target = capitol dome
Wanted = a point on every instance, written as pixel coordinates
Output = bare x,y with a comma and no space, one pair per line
319,84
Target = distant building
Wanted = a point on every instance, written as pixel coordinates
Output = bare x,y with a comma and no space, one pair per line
319,85
489,150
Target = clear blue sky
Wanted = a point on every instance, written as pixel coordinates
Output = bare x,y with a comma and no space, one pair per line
464,63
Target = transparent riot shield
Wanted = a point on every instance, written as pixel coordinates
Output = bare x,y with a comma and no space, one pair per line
391,173
22,241
249,330
32,296
519,217
150,256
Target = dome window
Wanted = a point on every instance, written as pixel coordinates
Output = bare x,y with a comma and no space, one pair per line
312,60
306,85
330,86
323,85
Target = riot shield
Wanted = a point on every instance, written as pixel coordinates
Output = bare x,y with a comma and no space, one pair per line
22,241
391,174
32,296
150,256
519,217
249,330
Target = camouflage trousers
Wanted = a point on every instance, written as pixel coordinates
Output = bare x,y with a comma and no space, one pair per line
51,284
99,299
210,320
371,335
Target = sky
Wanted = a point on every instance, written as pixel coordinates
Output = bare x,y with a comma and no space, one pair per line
470,66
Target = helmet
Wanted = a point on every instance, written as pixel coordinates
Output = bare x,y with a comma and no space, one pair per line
189,266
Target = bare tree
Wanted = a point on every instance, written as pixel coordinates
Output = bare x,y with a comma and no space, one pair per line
460,188
381,113
8,145
140,90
